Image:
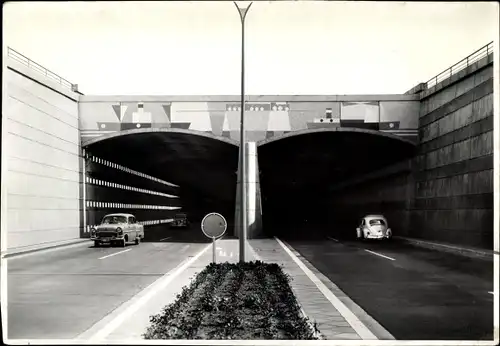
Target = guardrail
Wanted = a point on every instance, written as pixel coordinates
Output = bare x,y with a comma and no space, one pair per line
15,55
461,65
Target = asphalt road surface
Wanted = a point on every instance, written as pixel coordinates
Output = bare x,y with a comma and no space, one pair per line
415,293
61,293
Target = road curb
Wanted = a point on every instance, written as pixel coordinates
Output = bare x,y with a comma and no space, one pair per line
469,252
370,323
18,252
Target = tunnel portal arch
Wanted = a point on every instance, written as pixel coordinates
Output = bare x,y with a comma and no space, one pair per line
335,129
209,135
135,167
299,171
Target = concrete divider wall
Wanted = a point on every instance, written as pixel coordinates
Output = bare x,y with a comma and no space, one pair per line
41,176
254,204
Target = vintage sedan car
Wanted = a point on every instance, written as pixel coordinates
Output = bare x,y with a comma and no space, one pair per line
180,221
117,229
373,227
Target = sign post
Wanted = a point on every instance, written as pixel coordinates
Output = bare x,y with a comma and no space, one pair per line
214,226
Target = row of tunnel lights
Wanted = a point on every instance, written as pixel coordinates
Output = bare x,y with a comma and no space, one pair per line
144,223
97,204
256,109
126,187
127,170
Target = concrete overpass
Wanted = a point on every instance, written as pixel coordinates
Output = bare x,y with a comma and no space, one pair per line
71,158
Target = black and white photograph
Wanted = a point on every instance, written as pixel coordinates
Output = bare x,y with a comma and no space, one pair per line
250,173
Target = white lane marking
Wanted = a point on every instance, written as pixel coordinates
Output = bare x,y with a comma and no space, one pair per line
333,239
152,290
379,254
348,315
116,253
165,238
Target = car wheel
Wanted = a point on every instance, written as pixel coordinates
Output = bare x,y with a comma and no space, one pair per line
97,244
137,240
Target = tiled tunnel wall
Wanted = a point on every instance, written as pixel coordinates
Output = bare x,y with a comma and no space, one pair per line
112,188
388,195
448,193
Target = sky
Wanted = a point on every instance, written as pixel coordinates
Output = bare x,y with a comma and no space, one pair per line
291,47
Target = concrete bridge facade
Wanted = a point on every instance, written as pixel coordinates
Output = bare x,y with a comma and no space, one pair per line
424,157
266,116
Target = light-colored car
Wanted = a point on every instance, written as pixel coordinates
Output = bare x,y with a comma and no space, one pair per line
373,227
117,229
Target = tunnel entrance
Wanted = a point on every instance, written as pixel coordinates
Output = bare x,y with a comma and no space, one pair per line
298,171
157,174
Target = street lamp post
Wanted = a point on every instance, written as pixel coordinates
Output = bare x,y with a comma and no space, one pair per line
243,198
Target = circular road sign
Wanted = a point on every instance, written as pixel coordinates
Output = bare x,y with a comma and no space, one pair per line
214,225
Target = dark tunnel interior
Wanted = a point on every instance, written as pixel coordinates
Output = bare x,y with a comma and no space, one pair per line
297,173
203,168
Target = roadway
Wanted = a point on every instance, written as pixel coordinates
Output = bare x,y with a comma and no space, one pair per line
61,293
414,293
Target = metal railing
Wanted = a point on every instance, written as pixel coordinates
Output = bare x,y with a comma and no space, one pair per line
15,55
461,65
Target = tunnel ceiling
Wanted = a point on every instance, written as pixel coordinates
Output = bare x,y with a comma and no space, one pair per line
200,165
315,161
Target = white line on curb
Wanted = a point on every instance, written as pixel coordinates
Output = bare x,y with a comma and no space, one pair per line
159,284
165,238
349,316
333,239
116,253
378,254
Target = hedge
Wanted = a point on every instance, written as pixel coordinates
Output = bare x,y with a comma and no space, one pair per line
251,300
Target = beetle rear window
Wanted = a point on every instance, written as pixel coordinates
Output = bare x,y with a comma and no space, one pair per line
376,222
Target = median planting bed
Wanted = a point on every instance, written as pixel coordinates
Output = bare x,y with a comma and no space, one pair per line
234,301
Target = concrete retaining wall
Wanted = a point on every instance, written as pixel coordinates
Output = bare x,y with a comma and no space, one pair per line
41,174
446,194
454,176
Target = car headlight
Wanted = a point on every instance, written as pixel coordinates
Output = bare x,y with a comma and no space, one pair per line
119,231
92,231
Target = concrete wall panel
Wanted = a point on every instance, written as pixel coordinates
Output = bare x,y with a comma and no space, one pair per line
35,90
482,108
482,144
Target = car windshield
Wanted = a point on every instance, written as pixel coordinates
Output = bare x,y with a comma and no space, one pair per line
376,222
113,220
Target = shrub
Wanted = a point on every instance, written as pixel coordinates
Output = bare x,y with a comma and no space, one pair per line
240,301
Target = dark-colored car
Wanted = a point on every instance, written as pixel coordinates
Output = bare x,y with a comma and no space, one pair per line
180,221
